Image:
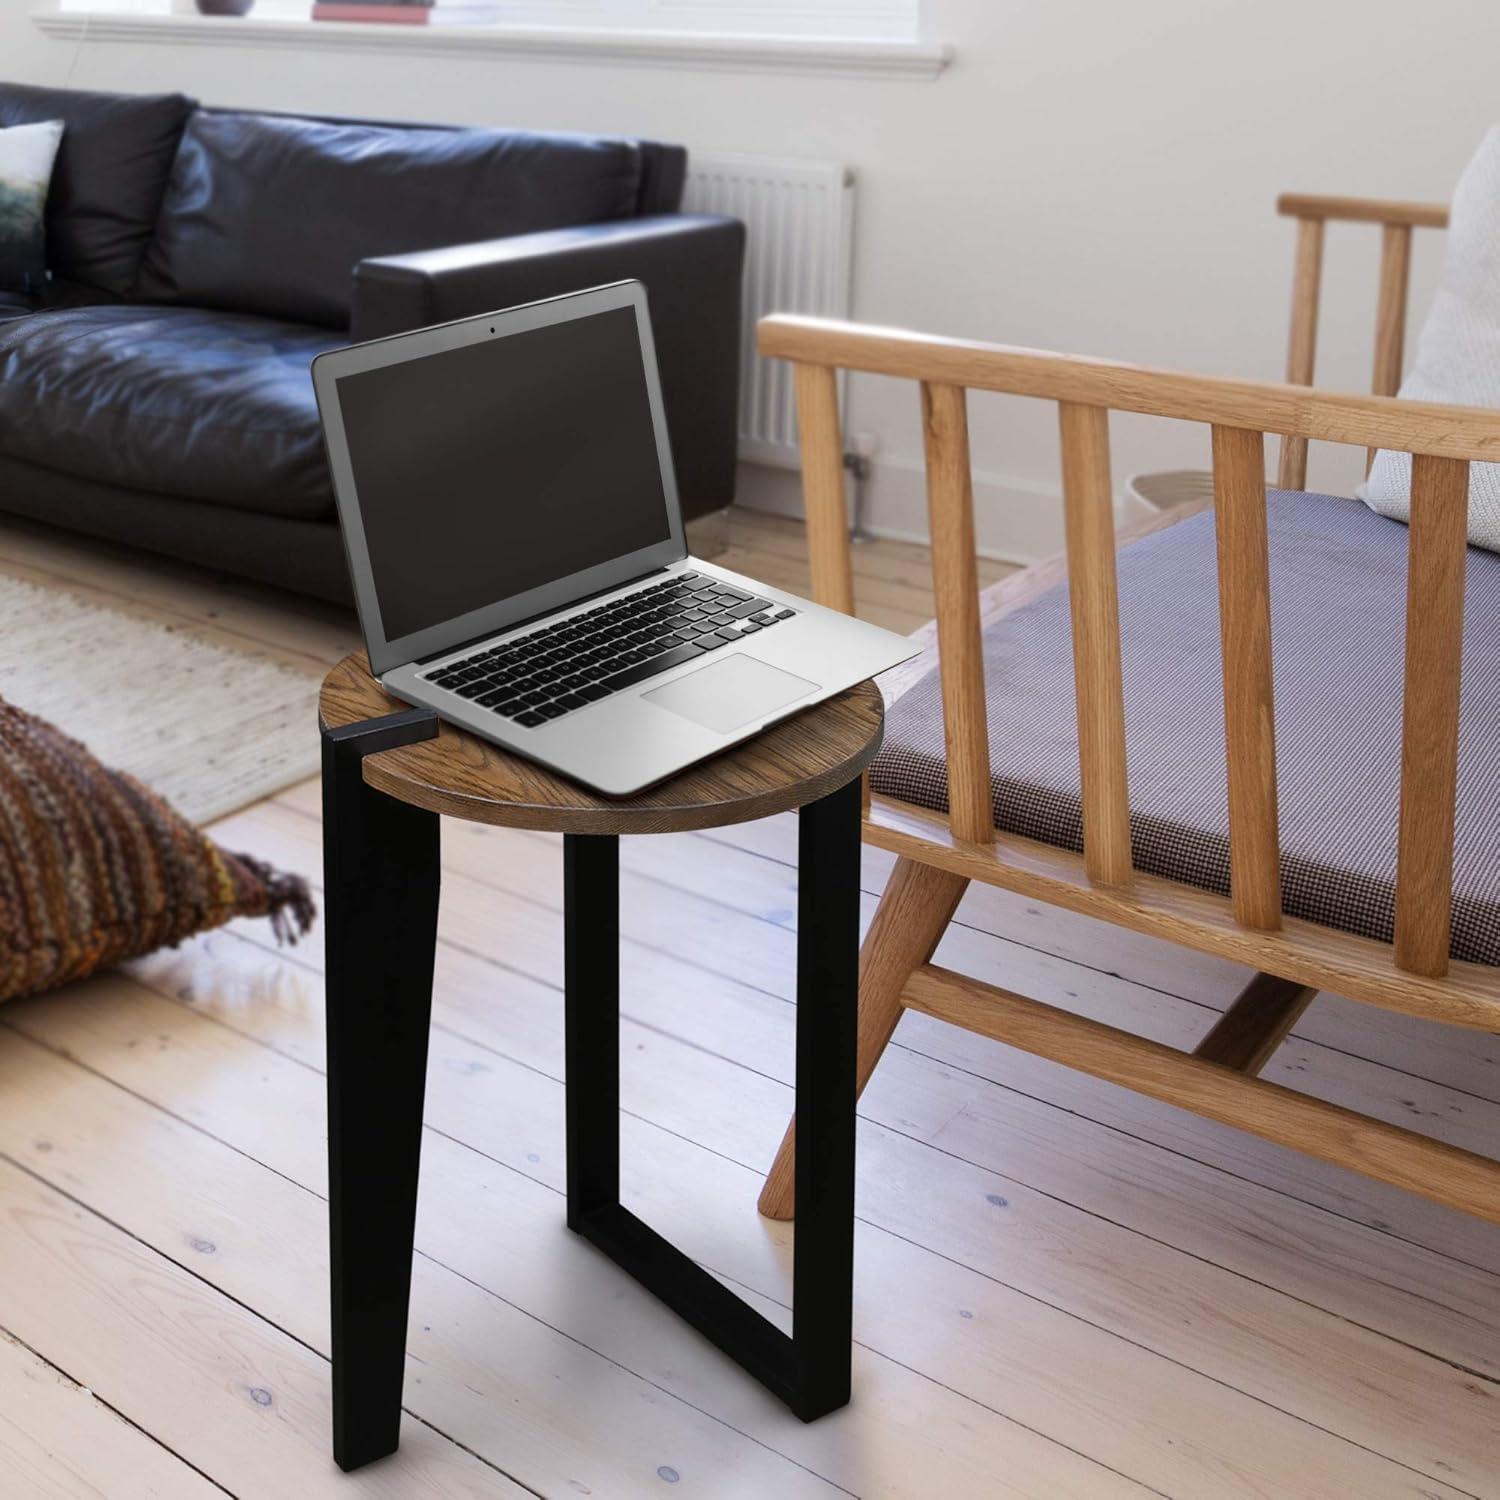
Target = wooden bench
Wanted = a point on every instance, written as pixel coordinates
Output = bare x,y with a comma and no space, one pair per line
938,854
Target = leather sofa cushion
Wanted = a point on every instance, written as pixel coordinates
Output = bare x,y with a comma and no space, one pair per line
107,184
209,406
57,293
270,214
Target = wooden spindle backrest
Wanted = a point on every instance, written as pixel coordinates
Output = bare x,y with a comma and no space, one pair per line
823,502
1089,529
1249,709
1397,220
955,587
1444,440
1429,738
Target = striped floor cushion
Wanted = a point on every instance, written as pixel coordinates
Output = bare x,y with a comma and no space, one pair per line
96,868
1338,577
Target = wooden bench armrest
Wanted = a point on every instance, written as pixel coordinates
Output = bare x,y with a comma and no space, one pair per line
1313,211
1323,206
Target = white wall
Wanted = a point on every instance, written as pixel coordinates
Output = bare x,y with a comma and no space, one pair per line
1088,175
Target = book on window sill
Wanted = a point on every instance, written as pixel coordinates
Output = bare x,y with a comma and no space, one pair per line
407,13
370,10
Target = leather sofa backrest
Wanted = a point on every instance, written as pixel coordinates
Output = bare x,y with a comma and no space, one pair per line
270,214
663,167
112,165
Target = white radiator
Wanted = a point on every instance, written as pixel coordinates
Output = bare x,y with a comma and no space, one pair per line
799,218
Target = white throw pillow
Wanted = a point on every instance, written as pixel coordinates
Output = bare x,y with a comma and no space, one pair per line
26,156
1458,354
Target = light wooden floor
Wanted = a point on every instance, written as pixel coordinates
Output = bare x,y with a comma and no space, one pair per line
1063,1290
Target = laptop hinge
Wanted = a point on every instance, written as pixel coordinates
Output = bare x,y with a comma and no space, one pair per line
422,661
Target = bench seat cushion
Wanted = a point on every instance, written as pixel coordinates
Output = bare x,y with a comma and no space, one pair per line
171,400
1338,576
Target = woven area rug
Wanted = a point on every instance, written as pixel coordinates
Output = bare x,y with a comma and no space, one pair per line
210,724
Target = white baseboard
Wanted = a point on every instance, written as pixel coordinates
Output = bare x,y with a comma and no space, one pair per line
1015,520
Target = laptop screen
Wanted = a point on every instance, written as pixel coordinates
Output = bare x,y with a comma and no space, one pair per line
497,467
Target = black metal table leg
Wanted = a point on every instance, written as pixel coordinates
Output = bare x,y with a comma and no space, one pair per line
591,981
828,849
381,872
810,1369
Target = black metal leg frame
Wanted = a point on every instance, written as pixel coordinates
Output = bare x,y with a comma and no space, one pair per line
380,868
381,894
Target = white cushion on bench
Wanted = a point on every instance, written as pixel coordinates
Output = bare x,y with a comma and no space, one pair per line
1458,354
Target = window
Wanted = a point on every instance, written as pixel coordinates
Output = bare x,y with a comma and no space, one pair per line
851,20
874,38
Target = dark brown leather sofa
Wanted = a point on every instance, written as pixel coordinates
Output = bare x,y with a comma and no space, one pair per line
158,392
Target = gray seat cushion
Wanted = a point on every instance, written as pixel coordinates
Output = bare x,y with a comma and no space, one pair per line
1338,576
170,400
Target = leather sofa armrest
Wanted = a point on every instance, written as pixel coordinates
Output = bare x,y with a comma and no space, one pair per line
691,266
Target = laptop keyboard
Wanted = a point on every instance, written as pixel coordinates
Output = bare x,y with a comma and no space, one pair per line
564,667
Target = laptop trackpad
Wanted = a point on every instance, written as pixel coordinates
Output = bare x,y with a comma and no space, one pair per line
730,693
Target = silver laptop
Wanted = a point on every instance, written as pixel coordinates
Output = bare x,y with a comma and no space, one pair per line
508,505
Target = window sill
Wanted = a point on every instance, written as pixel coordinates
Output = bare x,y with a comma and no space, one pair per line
817,55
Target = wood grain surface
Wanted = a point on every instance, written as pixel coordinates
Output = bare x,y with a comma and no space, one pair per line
1323,957
1320,206
1417,1163
1249,701
1302,343
955,586
1436,560
1093,599
1294,411
462,776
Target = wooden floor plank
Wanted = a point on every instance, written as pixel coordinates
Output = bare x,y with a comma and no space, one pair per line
496,1228
1368,1276
1055,1369
530,943
702,933
502,1381
59,1441
234,1396
1328,1347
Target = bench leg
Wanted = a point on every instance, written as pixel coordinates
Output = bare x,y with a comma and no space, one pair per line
914,912
380,860
809,1370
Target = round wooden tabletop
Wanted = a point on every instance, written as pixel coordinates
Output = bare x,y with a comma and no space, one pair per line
458,774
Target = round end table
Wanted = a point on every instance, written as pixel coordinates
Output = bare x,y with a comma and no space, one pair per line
461,776
389,773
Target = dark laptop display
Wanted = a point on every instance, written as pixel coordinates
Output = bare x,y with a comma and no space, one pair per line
536,460
515,541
